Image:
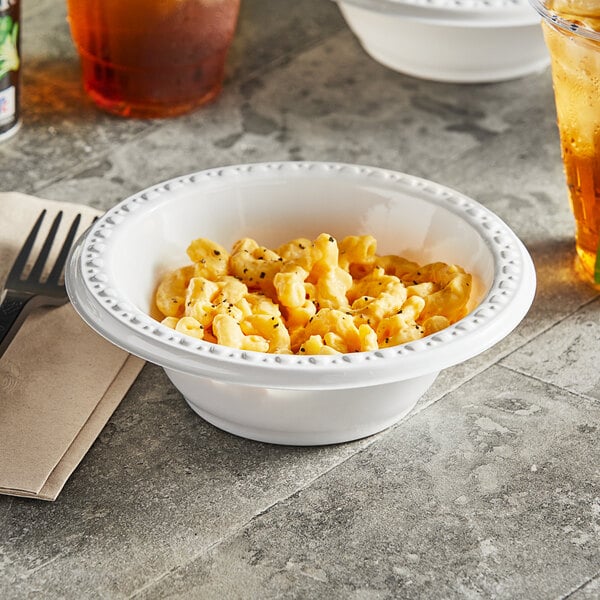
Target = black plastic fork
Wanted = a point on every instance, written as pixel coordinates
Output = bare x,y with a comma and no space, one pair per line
22,294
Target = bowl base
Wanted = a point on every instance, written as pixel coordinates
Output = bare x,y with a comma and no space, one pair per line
305,438
449,75
301,417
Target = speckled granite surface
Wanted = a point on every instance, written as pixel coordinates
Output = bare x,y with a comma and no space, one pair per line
489,489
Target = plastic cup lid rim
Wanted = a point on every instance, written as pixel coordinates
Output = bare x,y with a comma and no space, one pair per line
552,17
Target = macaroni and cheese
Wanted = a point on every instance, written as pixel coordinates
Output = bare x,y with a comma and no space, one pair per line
310,296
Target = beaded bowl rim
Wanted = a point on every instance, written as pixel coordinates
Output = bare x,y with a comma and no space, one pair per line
458,12
99,303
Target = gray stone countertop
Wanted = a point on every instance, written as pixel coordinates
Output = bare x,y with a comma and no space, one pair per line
490,488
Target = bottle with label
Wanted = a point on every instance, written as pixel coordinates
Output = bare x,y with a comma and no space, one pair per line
10,66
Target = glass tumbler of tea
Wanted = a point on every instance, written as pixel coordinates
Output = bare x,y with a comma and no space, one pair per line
152,58
572,33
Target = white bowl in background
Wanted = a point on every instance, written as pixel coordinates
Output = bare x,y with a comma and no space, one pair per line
459,41
114,268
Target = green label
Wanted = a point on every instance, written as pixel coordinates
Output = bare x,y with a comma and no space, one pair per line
9,54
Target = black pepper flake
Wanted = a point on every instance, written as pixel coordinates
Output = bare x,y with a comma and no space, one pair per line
387,340
276,326
262,274
302,349
331,239
365,298
302,247
216,252
203,261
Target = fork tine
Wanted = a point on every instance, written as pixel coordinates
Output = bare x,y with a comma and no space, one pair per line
64,252
25,251
38,267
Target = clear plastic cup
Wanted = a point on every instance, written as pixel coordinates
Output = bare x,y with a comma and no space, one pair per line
572,33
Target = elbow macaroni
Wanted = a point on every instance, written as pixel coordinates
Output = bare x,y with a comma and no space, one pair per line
310,297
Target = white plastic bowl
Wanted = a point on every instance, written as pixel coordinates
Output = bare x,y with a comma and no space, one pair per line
113,271
460,41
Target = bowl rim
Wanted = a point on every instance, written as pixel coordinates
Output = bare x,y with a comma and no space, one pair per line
464,13
88,284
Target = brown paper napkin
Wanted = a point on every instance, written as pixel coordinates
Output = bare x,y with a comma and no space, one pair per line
59,381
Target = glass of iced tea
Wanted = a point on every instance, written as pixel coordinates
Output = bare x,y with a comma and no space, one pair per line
152,58
572,34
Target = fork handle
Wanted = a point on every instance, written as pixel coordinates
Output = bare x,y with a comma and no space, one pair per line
13,310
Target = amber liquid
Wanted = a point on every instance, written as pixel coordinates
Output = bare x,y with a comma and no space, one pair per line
583,180
152,58
576,79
